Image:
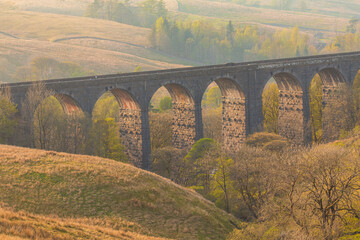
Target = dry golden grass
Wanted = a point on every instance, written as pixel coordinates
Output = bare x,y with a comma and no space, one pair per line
75,186
49,27
22,225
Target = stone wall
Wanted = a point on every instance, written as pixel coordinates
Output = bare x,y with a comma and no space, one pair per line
183,126
130,134
327,97
291,119
233,122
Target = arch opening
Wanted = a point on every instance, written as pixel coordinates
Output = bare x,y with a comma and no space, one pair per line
323,94
68,104
283,107
172,118
58,124
224,113
211,106
116,128
160,120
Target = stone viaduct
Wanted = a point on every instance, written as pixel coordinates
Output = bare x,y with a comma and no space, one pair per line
241,86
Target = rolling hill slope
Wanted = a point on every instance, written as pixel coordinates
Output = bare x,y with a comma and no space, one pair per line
95,44
106,194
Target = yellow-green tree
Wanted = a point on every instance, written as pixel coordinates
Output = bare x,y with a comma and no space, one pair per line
222,186
106,107
316,108
165,103
105,140
271,107
7,117
212,98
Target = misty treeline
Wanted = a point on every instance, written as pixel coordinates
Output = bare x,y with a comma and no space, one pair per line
203,42
145,14
208,43
44,68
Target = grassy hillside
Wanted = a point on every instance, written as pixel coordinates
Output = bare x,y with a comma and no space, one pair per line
74,186
95,44
22,225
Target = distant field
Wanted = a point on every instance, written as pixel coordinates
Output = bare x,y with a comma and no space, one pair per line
109,47
240,13
14,53
103,194
46,26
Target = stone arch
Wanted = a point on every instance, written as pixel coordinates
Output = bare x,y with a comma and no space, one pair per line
233,113
331,78
179,93
69,105
183,116
130,124
125,99
291,114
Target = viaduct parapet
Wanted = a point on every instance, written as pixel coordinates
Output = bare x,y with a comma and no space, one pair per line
241,85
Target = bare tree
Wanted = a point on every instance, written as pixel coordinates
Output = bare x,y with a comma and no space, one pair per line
340,115
169,162
322,188
254,178
160,130
34,97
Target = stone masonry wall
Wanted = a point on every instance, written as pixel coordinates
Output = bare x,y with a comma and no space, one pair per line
233,122
291,120
328,97
130,134
183,126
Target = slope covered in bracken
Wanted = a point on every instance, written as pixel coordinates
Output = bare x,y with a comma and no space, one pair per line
105,193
